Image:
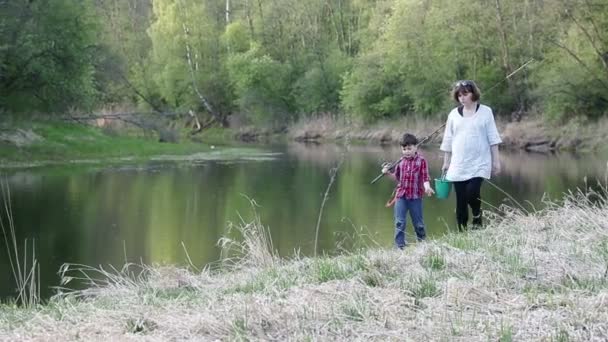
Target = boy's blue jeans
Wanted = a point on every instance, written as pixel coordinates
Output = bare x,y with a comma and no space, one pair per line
414,206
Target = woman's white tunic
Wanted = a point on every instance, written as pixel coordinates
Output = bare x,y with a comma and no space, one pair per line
469,140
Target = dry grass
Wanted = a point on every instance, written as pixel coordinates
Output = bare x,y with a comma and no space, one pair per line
327,127
25,270
576,135
527,276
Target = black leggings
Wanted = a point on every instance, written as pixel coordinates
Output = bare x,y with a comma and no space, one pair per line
468,194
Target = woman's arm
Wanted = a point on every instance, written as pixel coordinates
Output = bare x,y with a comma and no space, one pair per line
494,140
446,140
447,157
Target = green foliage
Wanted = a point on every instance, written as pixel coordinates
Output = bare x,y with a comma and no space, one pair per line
574,78
186,55
274,60
168,56
317,90
370,92
124,47
261,85
48,55
235,38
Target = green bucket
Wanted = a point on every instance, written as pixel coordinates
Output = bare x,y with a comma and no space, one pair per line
442,187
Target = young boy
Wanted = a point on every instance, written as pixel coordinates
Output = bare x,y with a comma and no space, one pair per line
412,177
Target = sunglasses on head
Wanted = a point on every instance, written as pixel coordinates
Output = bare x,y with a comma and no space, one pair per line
465,83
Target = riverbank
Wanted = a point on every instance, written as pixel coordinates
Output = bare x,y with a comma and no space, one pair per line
26,144
531,134
539,275
43,142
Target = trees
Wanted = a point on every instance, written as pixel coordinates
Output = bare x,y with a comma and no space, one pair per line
186,57
122,72
47,55
574,77
271,61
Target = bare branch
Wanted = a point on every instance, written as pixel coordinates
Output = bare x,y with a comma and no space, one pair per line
579,61
589,38
136,91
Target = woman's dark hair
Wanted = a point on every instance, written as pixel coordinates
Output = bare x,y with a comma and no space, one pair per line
465,87
408,139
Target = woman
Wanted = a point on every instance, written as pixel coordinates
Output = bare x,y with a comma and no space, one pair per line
470,143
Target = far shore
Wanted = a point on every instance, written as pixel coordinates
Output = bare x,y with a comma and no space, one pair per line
32,143
530,134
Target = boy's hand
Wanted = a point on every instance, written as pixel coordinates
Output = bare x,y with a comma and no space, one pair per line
445,167
428,190
385,169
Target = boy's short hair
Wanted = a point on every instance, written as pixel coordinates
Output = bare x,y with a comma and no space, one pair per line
466,86
408,139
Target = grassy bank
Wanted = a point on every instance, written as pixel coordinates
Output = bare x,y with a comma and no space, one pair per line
540,275
44,142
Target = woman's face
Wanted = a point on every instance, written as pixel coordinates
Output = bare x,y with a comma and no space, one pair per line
465,98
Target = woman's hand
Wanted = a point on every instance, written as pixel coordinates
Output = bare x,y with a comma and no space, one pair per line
496,168
445,167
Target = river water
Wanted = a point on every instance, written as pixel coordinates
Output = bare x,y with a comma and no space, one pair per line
167,210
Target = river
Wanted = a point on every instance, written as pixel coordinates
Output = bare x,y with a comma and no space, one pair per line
171,209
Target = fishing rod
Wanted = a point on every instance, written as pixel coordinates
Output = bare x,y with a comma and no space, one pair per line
511,74
393,164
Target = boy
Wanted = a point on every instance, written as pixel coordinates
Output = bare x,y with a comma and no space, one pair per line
412,177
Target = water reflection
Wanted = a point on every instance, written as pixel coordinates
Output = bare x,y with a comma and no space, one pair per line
143,213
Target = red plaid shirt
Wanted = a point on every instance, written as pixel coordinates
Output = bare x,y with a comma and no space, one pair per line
411,173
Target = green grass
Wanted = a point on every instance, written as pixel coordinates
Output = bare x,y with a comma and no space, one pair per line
506,333
464,241
271,278
561,336
330,269
66,142
433,261
591,285
357,309
423,287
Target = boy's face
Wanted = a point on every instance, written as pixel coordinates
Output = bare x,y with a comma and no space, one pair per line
408,151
